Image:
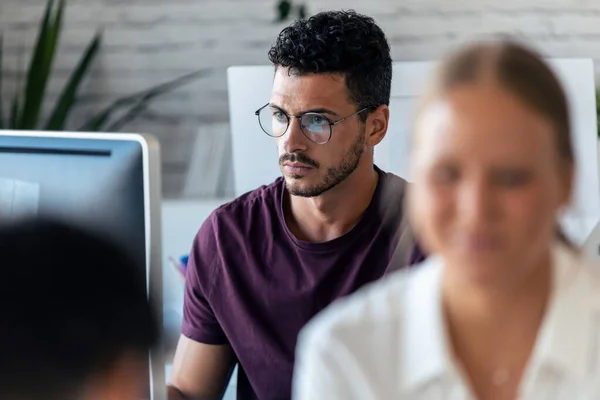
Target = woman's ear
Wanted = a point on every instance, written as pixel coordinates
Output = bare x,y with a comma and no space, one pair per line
377,125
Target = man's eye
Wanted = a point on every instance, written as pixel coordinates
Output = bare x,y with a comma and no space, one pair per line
319,120
279,116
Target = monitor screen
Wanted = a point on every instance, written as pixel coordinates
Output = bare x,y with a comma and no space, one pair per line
98,182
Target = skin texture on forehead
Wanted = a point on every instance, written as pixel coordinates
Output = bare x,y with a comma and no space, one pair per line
306,92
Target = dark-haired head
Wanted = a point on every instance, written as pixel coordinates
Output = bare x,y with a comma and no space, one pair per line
76,320
337,63
493,161
339,42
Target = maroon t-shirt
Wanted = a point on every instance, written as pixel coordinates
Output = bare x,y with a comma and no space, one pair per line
253,285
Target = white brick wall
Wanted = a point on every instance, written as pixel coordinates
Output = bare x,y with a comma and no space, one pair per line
149,41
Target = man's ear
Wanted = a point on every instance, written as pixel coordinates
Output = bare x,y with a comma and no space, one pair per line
377,125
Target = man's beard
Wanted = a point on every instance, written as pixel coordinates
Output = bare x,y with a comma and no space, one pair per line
335,175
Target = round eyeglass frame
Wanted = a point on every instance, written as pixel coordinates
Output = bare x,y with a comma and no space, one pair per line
289,119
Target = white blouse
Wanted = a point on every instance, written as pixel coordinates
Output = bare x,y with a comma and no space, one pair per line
388,341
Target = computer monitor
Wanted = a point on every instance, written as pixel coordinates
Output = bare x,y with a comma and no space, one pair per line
107,183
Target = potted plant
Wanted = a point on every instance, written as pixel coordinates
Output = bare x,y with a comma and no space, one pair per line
26,105
285,9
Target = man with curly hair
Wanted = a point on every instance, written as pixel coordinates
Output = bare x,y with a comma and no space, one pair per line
263,265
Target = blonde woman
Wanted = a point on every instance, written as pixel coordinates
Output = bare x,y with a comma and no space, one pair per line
505,308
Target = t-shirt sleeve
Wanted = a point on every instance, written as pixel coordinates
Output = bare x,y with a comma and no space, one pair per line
199,320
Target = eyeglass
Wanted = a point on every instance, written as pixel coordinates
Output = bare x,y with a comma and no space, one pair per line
315,126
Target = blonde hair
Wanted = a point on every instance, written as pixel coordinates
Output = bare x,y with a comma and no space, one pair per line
515,68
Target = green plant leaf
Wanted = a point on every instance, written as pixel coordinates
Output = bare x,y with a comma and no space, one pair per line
1,103
41,65
302,11
66,100
129,116
15,108
139,100
14,113
284,8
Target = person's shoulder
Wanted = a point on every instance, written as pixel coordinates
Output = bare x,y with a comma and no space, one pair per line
391,177
240,214
228,227
392,183
254,200
374,310
390,194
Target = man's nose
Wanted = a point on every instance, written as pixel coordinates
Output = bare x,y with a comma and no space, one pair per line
294,139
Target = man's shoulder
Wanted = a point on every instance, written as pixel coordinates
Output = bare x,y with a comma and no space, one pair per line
253,204
392,178
231,223
392,184
234,223
390,196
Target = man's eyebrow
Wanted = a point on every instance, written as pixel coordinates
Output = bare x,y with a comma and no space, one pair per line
319,110
322,111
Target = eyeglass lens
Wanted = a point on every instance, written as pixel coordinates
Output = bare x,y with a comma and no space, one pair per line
275,123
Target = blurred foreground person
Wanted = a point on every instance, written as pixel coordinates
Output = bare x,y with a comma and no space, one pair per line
76,323
505,308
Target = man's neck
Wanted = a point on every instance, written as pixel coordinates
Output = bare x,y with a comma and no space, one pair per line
335,212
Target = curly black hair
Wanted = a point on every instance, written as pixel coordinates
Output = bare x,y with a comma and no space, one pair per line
342,42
